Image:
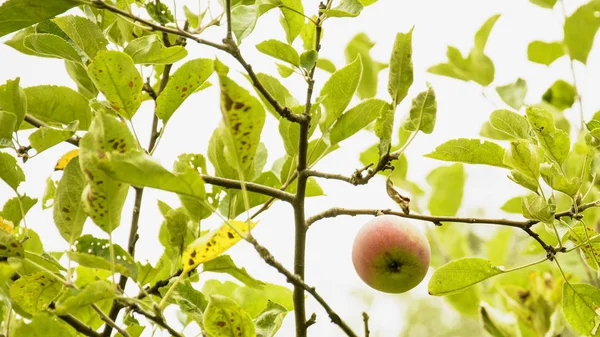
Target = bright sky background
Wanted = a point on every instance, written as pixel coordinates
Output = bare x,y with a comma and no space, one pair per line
461,112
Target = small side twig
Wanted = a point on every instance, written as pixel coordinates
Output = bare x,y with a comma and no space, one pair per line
366,321
79,326
252,187
157,318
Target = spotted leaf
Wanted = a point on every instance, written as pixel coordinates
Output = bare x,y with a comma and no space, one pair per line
213,244
224,318
590,250
34,293
95,253
117,78
9,245
68,210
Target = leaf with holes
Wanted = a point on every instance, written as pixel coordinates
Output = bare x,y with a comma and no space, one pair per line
116,76
68,209
224,318
214,243
34,292
150,50
181,85
103,197
95,253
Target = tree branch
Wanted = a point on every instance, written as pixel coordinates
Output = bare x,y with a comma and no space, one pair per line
252,187
366,321
158,319
79,326
298,282
38,124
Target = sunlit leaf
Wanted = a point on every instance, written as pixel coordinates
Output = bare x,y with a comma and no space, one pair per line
346,8
150,50
511,124
470,151
279,50
10,171
49,45
460,274
555,141
17,14
223,317
401,67
46,137
580,29
561,95
580,304
360,44
51,103
422,113
545,52
34,293
513,94
84,33
95,253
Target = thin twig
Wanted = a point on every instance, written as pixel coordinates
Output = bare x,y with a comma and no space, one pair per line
79,326
252,187
109,321
157,318
366,321
38,124
297,281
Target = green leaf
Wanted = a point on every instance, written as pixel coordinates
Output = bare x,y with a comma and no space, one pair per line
544,3
470,151
561,95
12,209
580,304
308,59
34,292
555,141
291,21
51,103
513,94
308,34
176,223
524,180
117,78
338,91
79,75
384,129
447,184
150,50
13,100
95,253
50,45
84,33
233,203
181,85
356,119
545,52
327,65
8,123
10,246
525,158
460,274
279,50
535,207
512,205
160,12
243,120
190,301
68,209
49,194
243,20
477,67
46,137
580,235
10,171
346,8
580,29
483,33
269,320
556,179
43,325
278,91
511,124
224,318
140,169
103,197
92,293
401,67
285,71
360,44
224,264
422,113
189,166
17,14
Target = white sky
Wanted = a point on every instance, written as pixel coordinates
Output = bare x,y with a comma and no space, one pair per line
461,112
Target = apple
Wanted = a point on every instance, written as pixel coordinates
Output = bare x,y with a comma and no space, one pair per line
391,255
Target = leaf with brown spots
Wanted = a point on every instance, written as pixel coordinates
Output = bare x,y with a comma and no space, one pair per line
9,245
95,253
591,250
68,210
103,197
116,77
213,244
243,119
186,79
224,318
34,292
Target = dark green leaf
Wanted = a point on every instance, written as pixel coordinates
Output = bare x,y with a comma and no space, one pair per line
17,14
470,151
545,52
401,67
513,94
160,12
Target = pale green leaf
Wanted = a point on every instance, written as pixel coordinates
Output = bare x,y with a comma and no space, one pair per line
361,44
422,113
326,65
384,129
46,136
13,100
544,3
68,210
94,292
524,180
447,184
79,74
189,166
291,21
270,319
95,253
556,142
338,91
525,158
34,293
10,171
12,209
560,95
116,76
512,205
224,318
279,50
49,45
224,264
545,52
483,33
346,8
511,124
401,67
477,67
470,151
513,94
285,71
277,90
181,85
356,119
460,274
63,105
17,14
43,325
84,33
535,207
580,304
49,193
150,50
556,179
8,125
243,20
580,29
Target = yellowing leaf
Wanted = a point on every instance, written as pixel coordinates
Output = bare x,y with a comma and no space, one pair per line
65,159
213,244
6,225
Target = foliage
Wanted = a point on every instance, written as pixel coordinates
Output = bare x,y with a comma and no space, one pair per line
109,46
